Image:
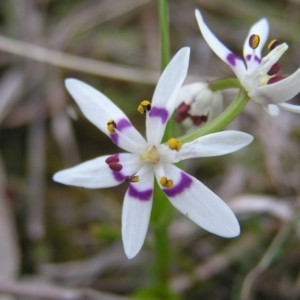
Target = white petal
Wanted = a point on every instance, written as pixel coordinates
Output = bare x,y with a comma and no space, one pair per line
95,173
99,110
200,204
188,92
280,91
136,212
202,104
233,61
272,109
165,95
260,28
216,106
215,144
290,107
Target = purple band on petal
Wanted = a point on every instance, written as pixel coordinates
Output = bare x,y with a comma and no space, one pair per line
118,176
122,124
159,112
248,57
114,138
232,58
183,184
139,195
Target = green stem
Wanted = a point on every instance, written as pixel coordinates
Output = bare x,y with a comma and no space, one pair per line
164,29
224,83
163,259
162,211
162,214
224,119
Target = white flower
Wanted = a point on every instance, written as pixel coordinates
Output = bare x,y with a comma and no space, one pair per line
149,158
197,105
258,76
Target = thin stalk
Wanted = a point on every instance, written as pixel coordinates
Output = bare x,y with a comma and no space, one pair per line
162,214
224,83
164,28
162,211
163,259
163,13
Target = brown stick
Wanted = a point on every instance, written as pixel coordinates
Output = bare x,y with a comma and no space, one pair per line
77,63
52,292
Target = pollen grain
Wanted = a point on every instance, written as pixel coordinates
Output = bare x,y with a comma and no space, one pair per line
167,183
174,144
273,44
144,106
254,41
111,126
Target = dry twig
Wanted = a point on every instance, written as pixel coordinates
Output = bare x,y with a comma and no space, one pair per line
267,258
52,292
77,63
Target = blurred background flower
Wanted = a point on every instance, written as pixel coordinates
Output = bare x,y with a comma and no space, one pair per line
198,105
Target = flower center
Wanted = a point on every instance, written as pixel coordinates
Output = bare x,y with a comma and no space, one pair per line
271,75
150,155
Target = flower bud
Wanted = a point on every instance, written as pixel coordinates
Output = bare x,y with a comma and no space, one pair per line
197,104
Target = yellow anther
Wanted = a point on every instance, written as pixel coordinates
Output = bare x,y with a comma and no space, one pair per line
135,179
273,44
254,40
174,144
111,126
163,181
144,106
166,183
132,178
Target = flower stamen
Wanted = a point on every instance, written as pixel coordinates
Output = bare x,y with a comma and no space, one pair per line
198,120
276,79
132,178
167,183
174,144
183,108
113,163
254,41
182,112
274,69
115,166
144,106
112,159
273,44
111,126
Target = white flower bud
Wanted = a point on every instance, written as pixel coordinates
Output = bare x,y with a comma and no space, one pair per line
197,104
